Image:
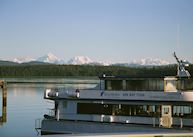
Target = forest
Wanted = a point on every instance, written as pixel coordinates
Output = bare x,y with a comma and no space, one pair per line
51,70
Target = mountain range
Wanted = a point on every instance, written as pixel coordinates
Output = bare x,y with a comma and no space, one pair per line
82,60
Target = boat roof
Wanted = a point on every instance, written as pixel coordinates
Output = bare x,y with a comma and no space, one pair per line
110,77
105,77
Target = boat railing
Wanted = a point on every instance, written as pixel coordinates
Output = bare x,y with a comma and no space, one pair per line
38,125
154,121
55,93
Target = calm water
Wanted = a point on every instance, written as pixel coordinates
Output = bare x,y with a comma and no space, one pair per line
25,103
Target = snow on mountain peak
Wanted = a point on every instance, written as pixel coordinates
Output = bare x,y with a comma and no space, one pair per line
79,60
52,56
105,63
150,62
23,59
49,58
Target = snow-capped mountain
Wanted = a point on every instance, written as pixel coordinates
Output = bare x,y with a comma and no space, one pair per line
149,62
105,63
80,60
23,59
50,58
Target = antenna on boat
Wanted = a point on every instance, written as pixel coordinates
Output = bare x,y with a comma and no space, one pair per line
182,72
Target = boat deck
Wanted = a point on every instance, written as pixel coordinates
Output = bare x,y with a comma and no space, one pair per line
127,135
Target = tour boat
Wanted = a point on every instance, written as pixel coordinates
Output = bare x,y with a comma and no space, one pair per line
121,104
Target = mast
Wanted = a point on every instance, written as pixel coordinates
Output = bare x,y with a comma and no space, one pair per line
181,71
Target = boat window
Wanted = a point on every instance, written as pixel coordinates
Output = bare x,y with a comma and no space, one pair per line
118,109
166,110
113,85
116,85
94,108
145,85
133,110
108,85
156,85
135,85
185,84
183,111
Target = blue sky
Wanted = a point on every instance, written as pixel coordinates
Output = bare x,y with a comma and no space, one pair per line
116,30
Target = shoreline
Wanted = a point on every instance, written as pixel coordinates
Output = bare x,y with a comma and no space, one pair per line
52,80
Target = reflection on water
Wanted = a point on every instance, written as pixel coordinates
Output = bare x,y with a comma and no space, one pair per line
25,104
3,116
55,80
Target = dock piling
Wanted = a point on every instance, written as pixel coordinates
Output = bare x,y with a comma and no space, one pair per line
3,86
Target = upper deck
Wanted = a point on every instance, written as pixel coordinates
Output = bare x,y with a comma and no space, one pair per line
140,89
167,84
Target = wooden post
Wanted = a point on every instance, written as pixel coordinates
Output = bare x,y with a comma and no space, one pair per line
4,101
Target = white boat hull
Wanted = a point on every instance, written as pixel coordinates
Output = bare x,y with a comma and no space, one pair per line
77,127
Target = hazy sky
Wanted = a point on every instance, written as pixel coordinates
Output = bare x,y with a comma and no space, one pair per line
116,30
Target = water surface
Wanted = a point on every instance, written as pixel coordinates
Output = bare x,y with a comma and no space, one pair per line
25,104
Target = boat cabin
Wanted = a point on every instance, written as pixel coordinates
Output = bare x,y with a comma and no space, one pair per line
167,84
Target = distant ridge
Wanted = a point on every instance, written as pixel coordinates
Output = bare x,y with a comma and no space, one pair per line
34,63
23,59
8,63
84,60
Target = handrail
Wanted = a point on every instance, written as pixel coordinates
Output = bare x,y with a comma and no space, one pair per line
38,123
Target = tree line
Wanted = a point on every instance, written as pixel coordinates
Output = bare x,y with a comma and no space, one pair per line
51,70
